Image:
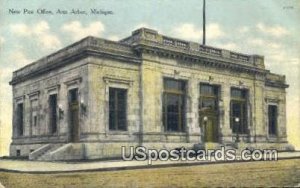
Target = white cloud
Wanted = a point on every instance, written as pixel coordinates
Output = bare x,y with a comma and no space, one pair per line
276,31
277,57
146,25
39,32
5,74
256,42
113,37
14,61
265,44
229,46
21,29
77,31
243,29
189,31
2,40
214,31
19,59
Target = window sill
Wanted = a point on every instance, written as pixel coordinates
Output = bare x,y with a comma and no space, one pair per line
174,133
240,134
114,132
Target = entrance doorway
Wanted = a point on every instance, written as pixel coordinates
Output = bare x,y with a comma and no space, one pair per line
73,115
210,128
208,112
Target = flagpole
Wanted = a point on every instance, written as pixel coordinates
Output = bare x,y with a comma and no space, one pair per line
204,29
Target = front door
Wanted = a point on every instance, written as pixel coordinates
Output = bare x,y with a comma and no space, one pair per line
73,115
208,111
210,129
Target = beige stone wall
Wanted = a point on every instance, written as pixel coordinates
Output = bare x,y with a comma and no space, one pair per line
57,81
277,96
144,83
103,74
154,69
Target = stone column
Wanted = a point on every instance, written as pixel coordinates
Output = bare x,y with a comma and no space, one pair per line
192,111
258,112
226,132
26,113
281,121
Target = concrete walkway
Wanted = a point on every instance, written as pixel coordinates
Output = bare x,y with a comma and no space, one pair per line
26,166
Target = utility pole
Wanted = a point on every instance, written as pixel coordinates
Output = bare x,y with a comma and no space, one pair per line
204,29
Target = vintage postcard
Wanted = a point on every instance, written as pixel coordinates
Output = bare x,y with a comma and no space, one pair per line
149,93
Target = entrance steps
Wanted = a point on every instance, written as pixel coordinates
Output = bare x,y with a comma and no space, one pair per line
244,146
58,152
83,151
215,146
45,149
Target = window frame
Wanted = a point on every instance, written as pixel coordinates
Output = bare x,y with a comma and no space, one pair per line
214,96
20,120
242,101
116,126
53,125
34,111
181,93
275,121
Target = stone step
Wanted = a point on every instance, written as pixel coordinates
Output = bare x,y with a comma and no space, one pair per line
43,155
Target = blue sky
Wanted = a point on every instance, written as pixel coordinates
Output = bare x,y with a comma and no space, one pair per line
265,27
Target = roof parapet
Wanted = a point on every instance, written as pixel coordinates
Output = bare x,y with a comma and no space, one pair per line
276,80
153,36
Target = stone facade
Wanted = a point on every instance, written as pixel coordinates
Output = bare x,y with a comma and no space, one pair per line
139,65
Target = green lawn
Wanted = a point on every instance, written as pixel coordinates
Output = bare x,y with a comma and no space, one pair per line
275,173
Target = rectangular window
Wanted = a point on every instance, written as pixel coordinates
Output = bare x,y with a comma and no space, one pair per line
20,119
53,113
174,105
73,115
34,120
117,109
272,116
208,98
18,153
73,95
33,116
238,111
238,93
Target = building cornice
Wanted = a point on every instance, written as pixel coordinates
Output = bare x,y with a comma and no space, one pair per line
147,41
205,60
89,46
275,80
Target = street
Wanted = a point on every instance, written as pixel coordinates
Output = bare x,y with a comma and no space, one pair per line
262,173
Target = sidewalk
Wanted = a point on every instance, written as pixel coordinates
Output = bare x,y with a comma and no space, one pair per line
56,167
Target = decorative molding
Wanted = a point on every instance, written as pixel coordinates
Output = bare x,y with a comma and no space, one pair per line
118,80
53,89
272,100
34,95
20,99
276,84
73,81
